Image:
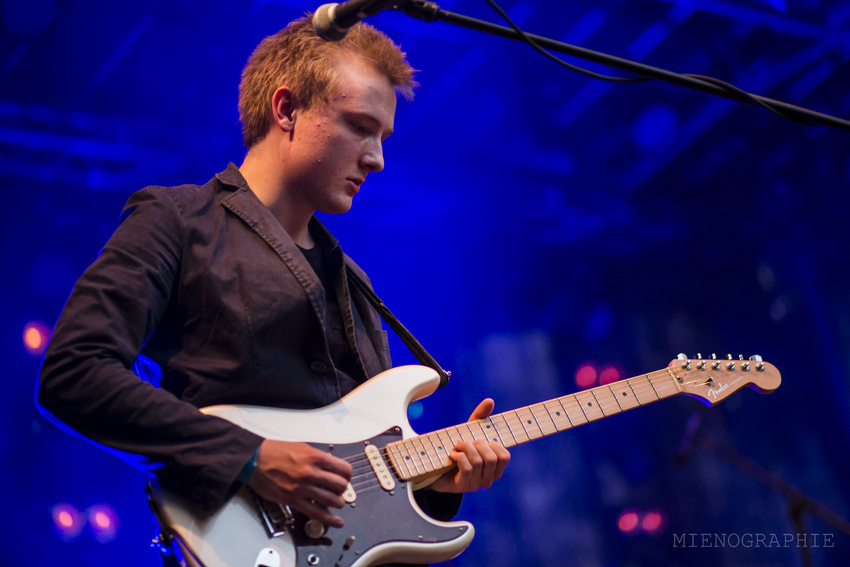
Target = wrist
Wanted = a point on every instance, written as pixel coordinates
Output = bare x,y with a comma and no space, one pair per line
244,475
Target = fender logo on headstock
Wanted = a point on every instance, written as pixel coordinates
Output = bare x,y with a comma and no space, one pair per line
723,387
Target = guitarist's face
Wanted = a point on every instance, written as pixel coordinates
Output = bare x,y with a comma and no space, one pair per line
336,144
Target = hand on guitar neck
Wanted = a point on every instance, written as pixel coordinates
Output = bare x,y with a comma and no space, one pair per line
479,463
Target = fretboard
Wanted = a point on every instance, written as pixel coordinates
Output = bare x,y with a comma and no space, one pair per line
427,455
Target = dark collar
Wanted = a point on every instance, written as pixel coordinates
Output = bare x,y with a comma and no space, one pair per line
233,178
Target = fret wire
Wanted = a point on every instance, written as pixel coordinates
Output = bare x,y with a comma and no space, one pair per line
575,396
522,424
599,405
414,456
471,433
530,424
423,452
430,439
574,400
448,431
449,447
496,429
400,459
566,413
425,440
653,385
615,397
537,421
460,428
543,406
638,388
550,414
637,397
440,448
508,425
481,427
606,393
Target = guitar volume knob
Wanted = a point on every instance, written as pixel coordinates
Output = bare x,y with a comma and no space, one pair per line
314,529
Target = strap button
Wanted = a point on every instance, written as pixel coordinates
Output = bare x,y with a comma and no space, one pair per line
319,367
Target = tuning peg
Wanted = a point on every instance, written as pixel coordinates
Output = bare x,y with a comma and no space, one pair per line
701,365
758,360
740,357
699,355
682,356
728,357
713,356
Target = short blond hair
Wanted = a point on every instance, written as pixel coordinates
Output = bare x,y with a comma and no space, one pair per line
299,59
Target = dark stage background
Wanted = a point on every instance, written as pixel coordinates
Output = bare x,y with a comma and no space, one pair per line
530,223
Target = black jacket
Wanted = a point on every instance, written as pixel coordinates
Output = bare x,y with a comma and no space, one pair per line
206,284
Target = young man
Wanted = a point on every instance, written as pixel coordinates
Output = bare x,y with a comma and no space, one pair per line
233,293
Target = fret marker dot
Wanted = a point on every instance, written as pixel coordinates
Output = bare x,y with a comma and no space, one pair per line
421,452
589,404
529,422
557,413
624,394
488,427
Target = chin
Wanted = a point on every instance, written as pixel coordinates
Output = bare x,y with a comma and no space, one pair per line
338,208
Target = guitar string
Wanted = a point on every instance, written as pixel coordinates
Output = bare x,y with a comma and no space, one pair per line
364,482
645,385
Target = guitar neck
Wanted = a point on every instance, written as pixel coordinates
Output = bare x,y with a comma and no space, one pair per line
425,456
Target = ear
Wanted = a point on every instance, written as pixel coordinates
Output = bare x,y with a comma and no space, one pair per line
282,109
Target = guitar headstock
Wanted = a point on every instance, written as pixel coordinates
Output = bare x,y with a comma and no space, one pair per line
713,380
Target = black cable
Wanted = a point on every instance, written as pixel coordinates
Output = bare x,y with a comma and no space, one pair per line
560,61
770,106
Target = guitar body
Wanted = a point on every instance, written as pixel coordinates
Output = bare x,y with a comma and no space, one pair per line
369,429
382,523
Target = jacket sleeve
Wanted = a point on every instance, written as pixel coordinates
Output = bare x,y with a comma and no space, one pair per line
87,383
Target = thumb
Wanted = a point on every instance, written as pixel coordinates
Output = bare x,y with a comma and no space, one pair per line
484,409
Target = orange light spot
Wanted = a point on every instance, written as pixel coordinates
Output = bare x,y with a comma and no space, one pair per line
35,337
101,520
628,522
32,338
585,376
65,519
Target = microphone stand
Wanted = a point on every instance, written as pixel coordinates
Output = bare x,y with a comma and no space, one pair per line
799,503
431,12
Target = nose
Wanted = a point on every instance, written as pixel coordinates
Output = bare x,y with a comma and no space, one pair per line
373,157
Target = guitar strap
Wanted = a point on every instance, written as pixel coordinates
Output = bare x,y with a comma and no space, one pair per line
409,340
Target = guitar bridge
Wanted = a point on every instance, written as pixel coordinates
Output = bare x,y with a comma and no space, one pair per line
276,517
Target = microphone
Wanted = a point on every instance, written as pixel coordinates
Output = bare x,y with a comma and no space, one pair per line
332,21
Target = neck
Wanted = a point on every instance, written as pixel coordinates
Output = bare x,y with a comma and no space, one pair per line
427,456
262,172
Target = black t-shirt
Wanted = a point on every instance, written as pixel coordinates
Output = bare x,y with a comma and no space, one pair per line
348,371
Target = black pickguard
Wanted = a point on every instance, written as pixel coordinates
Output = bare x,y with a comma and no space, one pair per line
376,516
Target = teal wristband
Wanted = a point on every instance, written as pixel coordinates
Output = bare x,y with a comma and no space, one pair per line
245,474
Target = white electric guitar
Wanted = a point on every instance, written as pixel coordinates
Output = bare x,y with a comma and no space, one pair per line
369,429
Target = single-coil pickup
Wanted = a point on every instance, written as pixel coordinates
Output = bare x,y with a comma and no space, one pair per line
380,467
